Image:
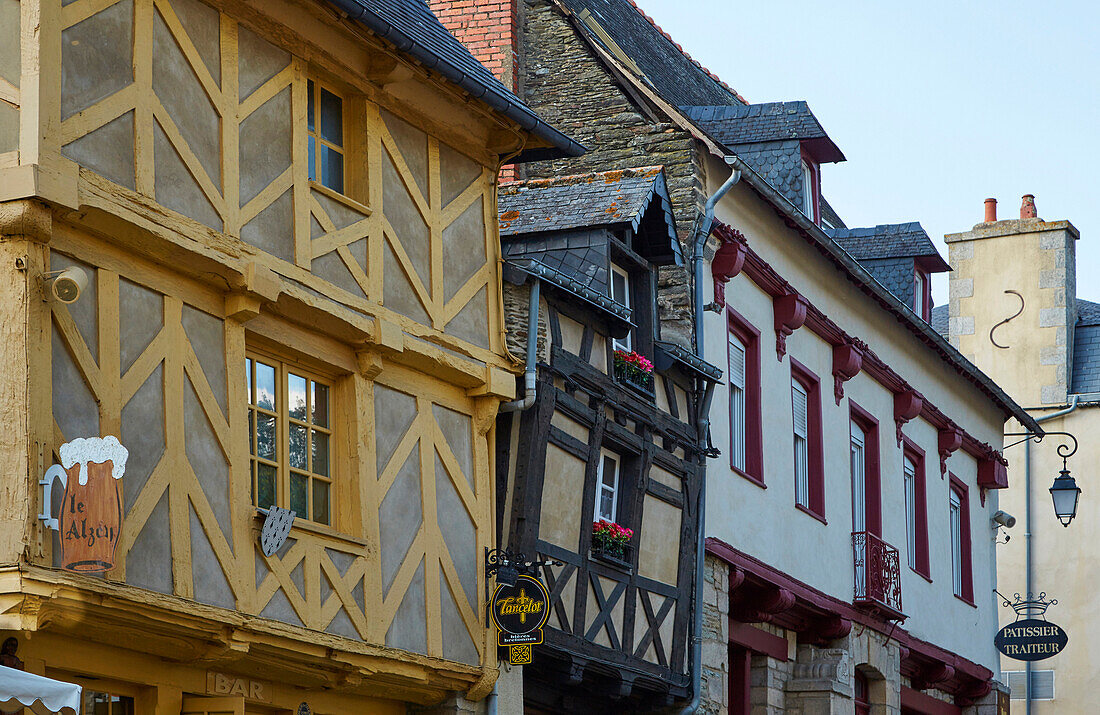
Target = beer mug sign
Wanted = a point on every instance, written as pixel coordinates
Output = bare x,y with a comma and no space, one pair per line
91,510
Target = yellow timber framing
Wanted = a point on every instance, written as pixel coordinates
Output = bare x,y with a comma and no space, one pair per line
125,233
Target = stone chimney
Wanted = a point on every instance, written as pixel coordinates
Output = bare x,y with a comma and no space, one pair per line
996,266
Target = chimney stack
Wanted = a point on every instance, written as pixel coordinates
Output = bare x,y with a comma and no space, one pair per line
990,210
1027,206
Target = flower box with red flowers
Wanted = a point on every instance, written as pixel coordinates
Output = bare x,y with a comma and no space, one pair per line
634,370
611,544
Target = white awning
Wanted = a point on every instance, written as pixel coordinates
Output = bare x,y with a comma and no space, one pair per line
44,696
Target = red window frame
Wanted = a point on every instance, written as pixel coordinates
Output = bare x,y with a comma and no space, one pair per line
862,694
872,489
754,442
920,508
814,441
960,488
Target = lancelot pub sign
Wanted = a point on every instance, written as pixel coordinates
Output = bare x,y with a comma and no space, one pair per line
1031,639
520,610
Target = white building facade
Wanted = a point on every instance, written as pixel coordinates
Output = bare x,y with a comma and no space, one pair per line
850,558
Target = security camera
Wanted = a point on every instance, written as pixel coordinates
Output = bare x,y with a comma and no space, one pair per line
1003,518
66,286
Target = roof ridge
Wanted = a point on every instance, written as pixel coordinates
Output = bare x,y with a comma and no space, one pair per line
683,52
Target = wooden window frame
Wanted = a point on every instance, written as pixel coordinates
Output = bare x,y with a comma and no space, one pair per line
616,492
872,475
627,343
915,454
754,448
284,365
966,590
810,167
315,133
815,450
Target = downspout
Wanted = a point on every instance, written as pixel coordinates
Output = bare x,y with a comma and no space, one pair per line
1028,570
531,371
706,395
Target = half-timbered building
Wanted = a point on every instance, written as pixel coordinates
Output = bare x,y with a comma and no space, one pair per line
607,441
255,242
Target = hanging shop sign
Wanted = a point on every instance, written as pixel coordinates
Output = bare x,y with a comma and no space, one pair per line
1031,639
520,610
90,517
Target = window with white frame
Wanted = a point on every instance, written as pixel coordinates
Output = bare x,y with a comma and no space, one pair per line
808,191
607,479
920,293
909,475
956,542
620,293
800,409
737,359
859,477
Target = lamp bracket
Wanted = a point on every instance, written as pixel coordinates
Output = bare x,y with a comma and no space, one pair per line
1064,450
1028,607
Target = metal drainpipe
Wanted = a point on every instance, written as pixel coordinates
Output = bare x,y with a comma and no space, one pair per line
1028,571
531,371
703,421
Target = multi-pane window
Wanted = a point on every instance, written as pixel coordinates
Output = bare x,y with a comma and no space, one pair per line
325,125
607,498
290,437
956,525
909,477
105,703
800,408
620,293
859,477
737,361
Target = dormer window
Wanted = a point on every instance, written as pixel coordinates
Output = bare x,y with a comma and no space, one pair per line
922,294
809,190
620,293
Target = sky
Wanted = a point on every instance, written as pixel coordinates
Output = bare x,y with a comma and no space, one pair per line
936,105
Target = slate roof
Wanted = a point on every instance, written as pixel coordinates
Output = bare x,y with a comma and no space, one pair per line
603,198
412,28
581,256
829,216
1086,349
940,317
765,122
890,240
663,63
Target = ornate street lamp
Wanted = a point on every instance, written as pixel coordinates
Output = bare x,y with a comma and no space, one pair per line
1064,491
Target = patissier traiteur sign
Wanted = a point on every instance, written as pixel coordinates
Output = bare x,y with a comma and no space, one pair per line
1031,639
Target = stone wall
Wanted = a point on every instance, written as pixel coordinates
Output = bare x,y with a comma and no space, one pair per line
569,87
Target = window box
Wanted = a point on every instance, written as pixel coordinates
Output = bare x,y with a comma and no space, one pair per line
634,371
620,557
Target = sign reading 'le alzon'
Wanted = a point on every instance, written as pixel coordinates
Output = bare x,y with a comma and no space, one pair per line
1031,639
520,611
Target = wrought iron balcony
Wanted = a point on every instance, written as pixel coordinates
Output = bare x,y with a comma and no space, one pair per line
878,575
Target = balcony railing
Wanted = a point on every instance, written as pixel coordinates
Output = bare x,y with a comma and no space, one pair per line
878,574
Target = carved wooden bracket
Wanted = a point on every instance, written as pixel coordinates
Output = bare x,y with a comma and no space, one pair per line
932,674
972,693
907,405
950,439
830,628
790,315
764,605
847,362
992,470
737,577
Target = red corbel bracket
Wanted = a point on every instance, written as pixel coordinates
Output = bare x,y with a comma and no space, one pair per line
907,405
847,362
950,439
790,315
